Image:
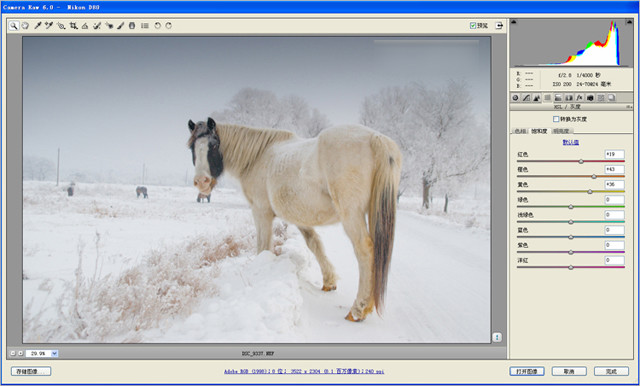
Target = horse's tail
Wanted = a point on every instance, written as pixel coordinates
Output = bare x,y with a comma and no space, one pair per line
382,210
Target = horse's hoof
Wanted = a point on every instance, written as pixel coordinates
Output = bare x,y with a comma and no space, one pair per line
350,318
327,288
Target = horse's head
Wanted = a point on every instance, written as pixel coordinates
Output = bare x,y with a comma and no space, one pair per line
205,149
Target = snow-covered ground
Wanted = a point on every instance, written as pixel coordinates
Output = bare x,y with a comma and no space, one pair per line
104,266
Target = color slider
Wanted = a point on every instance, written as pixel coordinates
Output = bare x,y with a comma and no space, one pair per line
570,252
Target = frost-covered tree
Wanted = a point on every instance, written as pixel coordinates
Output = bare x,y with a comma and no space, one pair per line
38,168
391,111
262,108
442,140
462,145
253,107
316,123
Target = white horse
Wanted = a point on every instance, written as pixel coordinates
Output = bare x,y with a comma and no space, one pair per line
342,175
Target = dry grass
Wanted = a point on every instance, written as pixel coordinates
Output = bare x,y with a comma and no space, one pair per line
229,247
102,211
28,201
168,283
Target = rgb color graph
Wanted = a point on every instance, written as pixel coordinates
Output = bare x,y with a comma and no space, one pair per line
597,53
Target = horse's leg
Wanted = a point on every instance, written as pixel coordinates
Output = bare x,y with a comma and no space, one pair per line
315,245
264,223
356,228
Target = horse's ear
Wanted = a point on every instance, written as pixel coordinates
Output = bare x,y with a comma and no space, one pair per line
211,124
192,125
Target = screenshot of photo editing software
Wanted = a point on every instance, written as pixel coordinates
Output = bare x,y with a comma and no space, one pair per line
319,192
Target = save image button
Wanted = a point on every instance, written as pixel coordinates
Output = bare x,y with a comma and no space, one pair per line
33,371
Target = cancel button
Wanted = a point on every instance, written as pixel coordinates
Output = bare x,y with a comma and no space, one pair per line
569,371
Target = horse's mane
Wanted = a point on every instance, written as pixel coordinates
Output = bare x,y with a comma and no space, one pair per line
241,146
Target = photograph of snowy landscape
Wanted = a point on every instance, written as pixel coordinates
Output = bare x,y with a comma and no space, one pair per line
106,262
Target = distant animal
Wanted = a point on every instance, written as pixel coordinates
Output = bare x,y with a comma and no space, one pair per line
202,196
141,190
343,175
71,189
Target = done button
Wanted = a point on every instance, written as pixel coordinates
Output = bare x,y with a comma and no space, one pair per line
612,371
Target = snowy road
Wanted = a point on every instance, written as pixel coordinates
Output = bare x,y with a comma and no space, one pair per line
438,289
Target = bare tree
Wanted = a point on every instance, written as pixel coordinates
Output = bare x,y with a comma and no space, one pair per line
462,145
38,168
295,110
437,130
261,108
317,122
253,107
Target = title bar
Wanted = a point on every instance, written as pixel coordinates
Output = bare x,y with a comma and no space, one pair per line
99,7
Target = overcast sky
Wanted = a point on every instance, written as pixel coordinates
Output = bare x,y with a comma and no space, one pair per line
112,103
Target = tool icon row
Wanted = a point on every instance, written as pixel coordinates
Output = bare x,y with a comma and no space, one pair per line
15,25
